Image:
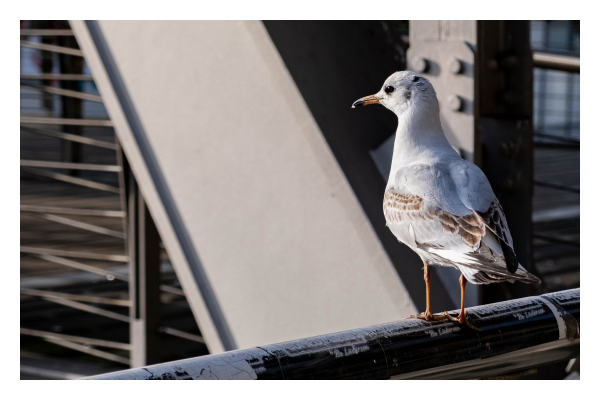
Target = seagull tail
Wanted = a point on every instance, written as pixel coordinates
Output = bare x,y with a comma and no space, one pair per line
522,275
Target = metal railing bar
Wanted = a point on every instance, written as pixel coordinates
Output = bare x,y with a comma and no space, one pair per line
73,211
69,93
83,267
46,32
81,225
52,48
65,165
74,254
71,137
87,308
89,350
75,181
525,332
58,77
76,339
556,62
66,121
574,189
77,297
181,334
99,271
555,214
172,290
556,240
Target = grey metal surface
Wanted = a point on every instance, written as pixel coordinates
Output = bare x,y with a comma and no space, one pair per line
272,141
515,335
156,173
313,52
441,45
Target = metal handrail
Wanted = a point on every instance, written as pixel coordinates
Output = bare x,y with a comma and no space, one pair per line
516,335
556,62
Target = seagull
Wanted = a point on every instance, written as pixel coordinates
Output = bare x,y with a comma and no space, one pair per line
438,204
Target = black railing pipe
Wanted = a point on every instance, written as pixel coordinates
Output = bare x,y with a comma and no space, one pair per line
516,335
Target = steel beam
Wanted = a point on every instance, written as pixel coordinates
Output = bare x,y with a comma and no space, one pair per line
144,278
504,122
483,79
515,335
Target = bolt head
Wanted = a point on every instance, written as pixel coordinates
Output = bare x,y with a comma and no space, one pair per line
492,64
420,64
455,103
455,66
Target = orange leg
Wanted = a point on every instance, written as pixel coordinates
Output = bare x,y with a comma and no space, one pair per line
427,315
462,317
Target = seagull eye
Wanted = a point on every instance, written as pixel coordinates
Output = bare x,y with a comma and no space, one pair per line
389,89
415,79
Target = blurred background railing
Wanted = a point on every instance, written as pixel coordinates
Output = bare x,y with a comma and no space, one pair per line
75,279
556,197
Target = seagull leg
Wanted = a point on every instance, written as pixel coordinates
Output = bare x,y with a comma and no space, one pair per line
462,317
427,315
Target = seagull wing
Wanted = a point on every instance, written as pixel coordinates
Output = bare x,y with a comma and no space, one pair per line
450,211
475,192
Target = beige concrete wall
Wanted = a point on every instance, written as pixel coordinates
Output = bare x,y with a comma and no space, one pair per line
285,244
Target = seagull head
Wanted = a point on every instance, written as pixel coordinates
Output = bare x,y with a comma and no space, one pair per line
401,91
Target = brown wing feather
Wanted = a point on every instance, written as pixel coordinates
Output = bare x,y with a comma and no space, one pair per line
401,207
470,228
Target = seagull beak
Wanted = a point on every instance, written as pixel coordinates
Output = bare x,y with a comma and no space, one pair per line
365,101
